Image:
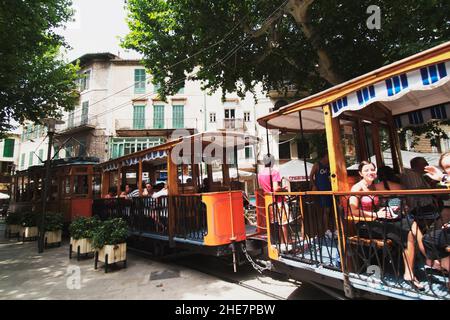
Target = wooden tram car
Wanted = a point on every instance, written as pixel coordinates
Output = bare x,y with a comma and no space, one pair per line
74,183
358,120
201,211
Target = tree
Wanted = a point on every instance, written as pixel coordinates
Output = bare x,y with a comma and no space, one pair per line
310,43
34,82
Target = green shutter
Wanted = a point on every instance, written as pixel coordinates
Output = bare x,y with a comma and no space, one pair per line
178,116
139,81
70,122
30,158
8,149
41,155
139,117
84,112
248,152
22,160
158,117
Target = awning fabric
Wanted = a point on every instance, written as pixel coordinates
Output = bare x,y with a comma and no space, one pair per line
133,161
403,92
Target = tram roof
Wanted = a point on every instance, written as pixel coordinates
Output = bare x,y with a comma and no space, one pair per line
219,138
413,83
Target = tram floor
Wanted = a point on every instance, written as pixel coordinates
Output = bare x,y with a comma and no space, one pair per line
25,274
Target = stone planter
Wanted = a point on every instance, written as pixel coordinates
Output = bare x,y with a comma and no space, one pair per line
13,229
109,254
80,246
29,233
52,237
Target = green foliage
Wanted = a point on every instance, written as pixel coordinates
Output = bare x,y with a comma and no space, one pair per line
14,218
110,232
34,82
324,45
431,130
29,219
53,221
83,227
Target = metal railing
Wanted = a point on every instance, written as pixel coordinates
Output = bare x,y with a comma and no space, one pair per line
380,240
155,123
189,216
233,124
148,215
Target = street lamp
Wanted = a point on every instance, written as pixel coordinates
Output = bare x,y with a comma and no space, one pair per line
50,123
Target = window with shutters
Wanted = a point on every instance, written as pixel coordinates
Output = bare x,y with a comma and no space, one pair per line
178,116
71,119
139,81
30,158
212,117
84,112
158,117
85,80
139,117
8,148
22,161
41,155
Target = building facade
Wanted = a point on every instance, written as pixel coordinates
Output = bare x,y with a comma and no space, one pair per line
119,112
9,154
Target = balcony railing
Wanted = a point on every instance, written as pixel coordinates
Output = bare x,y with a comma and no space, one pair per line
75,122
233,124
166,123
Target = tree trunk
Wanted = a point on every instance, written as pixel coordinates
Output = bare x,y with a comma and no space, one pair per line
299,10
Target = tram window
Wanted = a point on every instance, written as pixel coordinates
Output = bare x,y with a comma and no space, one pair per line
368,136
53,190
385,145
349,134
96,186
67,185
81,184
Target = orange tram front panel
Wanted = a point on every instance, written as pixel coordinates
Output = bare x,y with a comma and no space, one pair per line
225,218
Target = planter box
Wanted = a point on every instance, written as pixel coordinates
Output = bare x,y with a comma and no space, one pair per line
51,237
111,254
14,229
80,246
29,233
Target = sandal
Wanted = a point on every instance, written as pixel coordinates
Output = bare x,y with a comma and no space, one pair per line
415,284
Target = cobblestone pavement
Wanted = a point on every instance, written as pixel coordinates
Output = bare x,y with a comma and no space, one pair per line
25,274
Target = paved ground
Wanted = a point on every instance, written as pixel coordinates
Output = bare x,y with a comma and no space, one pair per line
25,274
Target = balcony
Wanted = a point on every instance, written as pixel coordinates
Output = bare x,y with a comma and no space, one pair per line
133,127
77,124
232,125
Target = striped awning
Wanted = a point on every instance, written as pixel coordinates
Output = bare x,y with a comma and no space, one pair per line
408,84
135,160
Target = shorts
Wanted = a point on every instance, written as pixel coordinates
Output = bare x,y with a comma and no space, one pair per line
435,242
395,230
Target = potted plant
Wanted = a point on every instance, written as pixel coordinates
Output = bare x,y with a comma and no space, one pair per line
109,241
53,228
81,233
13,224
29,228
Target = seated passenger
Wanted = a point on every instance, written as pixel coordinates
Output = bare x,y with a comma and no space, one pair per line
436,243
111,193
161,193
424,208
148,191
205,186
383,223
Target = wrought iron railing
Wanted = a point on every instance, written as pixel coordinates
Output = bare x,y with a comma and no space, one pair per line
189,217
187,214
380,240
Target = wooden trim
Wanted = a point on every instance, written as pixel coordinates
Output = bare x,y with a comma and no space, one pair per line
434,55
338,170
139,176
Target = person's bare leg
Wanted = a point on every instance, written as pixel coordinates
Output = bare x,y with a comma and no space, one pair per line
408,259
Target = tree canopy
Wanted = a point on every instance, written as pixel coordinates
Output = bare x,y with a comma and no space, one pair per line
34,81
313,44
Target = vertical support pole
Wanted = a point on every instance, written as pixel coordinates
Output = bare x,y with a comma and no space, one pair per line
139,176
303,149
337,161
119,179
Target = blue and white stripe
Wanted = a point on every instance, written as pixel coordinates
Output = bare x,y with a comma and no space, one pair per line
394,87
